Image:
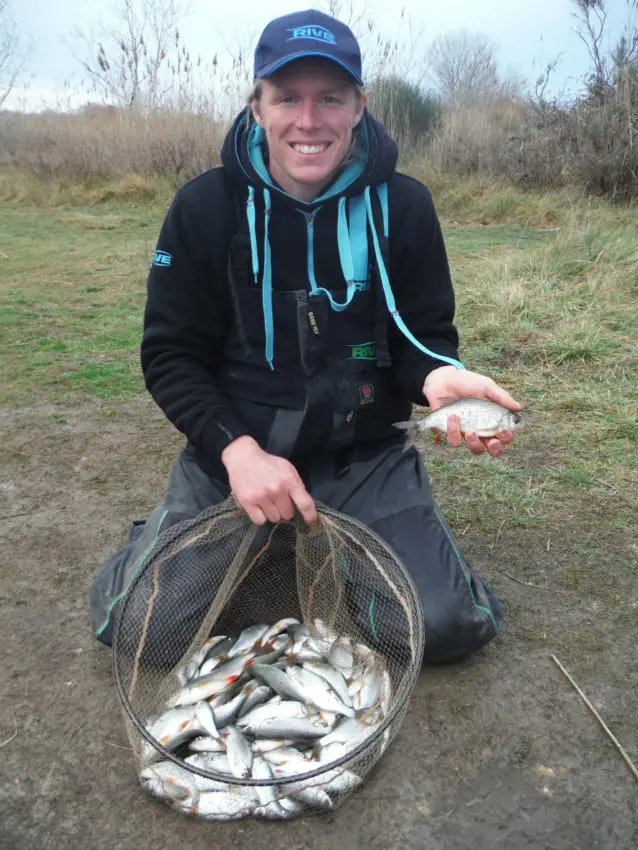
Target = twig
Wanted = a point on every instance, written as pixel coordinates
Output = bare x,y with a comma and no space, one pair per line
498,533
12,516
119,746
465,530
632,766
15,734
529,583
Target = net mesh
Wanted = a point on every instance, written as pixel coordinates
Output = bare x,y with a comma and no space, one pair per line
334,597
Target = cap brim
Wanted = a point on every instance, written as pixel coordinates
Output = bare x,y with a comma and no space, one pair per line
267,70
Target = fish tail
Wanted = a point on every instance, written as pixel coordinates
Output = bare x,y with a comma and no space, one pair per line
411,430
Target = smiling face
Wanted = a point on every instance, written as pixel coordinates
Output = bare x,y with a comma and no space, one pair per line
308,111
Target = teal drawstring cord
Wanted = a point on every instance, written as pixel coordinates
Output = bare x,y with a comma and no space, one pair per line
385,282
266,287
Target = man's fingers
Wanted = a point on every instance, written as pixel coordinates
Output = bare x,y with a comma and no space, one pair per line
494,446
501,396
453,433
505,437
475,444
284,505
255,514
304,501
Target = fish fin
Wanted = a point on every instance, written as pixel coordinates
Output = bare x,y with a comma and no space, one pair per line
411,429
439,437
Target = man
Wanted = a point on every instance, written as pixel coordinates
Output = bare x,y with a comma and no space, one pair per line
299,302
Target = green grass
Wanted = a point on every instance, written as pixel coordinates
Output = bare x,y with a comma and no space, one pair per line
548,311
72,299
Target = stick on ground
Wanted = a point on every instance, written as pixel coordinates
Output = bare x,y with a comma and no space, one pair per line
632,766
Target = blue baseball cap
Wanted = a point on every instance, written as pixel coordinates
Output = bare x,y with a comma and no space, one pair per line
309,33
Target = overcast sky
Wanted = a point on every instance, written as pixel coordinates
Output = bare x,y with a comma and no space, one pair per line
528,33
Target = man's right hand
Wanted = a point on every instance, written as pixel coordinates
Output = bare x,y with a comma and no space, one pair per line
266,486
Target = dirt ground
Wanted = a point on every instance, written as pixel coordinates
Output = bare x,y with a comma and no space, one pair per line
496,752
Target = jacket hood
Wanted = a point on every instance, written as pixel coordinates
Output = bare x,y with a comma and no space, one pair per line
244,157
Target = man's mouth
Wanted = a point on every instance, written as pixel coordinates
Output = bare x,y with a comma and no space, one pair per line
310,149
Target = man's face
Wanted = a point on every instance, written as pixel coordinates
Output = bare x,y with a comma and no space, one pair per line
308,110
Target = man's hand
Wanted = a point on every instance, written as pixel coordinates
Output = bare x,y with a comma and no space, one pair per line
447,384
266,486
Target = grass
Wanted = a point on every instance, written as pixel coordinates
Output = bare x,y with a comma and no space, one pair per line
547,291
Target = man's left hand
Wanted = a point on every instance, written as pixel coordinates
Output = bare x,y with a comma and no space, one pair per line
447,384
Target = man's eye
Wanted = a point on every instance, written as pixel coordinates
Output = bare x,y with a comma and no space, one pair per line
329,98
288,98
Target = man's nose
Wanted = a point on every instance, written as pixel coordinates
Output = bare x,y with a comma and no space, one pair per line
307,115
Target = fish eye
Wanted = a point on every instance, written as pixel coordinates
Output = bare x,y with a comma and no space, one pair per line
516,418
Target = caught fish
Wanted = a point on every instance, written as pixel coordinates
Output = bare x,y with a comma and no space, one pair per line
204,714
476,415
266,745
174,727
261,770
205,687
278,680
291,727
224,805
333,677
317,691
206,744
274,649
166,779
239,752
271,703
250,640
277,628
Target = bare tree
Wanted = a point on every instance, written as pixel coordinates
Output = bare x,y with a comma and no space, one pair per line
463,66
15,52
140,58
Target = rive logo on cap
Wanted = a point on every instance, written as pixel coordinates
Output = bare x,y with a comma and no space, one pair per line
315,33
309,33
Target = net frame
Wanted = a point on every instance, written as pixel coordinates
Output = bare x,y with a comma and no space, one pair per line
331,517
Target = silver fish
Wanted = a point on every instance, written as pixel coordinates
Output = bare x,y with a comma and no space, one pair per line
258,695
206,744
261,770
317,691
273,650
291,727
206,718
266,745
212,685
191,669
341,656
278,680
203,783
290,806
333,677
339,781
250,640
351,731
224,805
239,752
277,628
272,710
272,811
281,755
174,727
478,415
367,690
166,779
215,762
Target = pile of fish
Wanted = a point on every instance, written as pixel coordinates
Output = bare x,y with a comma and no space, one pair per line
274,702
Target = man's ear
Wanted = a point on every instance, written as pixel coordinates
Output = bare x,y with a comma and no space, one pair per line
254,105
362,105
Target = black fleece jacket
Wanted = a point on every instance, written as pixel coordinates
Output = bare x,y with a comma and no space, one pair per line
189,305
